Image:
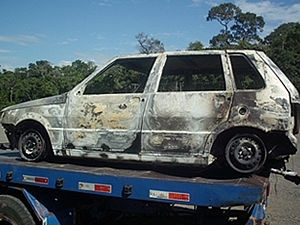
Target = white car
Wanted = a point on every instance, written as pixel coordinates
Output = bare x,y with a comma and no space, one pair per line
174,107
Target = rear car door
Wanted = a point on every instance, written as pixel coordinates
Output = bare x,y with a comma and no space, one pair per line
192,99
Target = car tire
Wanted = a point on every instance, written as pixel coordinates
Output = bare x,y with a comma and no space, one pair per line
245,153
32,145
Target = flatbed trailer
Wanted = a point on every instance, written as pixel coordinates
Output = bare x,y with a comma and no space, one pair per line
80,192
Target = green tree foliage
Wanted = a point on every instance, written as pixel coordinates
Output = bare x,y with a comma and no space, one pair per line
195,46
246,27
7,87
238,28
39,80
224,14
148,45
283,46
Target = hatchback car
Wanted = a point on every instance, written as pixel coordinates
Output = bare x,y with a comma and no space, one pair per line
175,108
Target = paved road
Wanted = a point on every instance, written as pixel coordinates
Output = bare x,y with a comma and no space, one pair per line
284,201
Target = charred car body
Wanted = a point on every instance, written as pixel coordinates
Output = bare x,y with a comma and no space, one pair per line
176,108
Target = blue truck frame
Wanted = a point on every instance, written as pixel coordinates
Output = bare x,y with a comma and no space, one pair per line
50,191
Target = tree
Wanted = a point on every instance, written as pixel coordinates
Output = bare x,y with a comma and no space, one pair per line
7,88
224,14
195,46
148,45
39,68
73,74
246,27
237,26
40,79
283,46
220,41
278,38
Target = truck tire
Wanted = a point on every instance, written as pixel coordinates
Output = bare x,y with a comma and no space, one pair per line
14,212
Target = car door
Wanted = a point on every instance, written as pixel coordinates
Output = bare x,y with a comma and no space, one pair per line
104,114
193,98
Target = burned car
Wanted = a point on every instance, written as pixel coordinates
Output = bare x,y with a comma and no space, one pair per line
184,108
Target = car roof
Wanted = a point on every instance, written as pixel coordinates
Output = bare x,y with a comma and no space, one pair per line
174,53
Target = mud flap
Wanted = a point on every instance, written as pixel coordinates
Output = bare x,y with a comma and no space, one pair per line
257,216
42,213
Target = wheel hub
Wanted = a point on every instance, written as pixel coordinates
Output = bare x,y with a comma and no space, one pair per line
245,153
30,146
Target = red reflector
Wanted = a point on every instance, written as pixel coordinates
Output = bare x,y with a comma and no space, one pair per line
42,180
103,188
179,196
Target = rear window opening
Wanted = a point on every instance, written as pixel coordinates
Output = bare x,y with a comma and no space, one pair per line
246,76
192,73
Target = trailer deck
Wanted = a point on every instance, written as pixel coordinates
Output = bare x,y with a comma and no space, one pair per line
132,184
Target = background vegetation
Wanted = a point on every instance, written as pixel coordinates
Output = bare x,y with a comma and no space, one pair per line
239,30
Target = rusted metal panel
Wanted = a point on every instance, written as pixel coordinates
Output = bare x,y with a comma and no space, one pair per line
103,122
180,122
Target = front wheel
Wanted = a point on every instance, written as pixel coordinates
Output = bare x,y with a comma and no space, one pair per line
245,153
32,145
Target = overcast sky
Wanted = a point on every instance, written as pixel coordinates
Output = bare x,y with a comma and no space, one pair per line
62,31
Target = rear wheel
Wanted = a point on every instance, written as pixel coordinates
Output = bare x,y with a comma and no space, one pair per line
14,212
32,145
245,153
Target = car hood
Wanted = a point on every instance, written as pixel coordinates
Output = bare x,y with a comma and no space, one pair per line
58,99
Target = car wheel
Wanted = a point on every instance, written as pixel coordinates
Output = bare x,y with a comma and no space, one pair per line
32,145
245,153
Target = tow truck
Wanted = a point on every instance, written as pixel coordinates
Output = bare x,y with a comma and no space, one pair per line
85,192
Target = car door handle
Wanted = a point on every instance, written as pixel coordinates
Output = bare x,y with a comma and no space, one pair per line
122,106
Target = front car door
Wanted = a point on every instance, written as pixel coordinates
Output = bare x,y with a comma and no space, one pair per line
193,98
104,113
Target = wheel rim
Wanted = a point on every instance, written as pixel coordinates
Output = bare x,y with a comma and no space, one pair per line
246,153
32,145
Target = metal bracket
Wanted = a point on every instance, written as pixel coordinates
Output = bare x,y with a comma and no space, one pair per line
288,175
127,190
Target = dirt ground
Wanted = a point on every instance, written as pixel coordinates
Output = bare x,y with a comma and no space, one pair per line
284,201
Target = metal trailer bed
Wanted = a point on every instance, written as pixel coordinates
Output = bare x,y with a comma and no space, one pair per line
51,191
